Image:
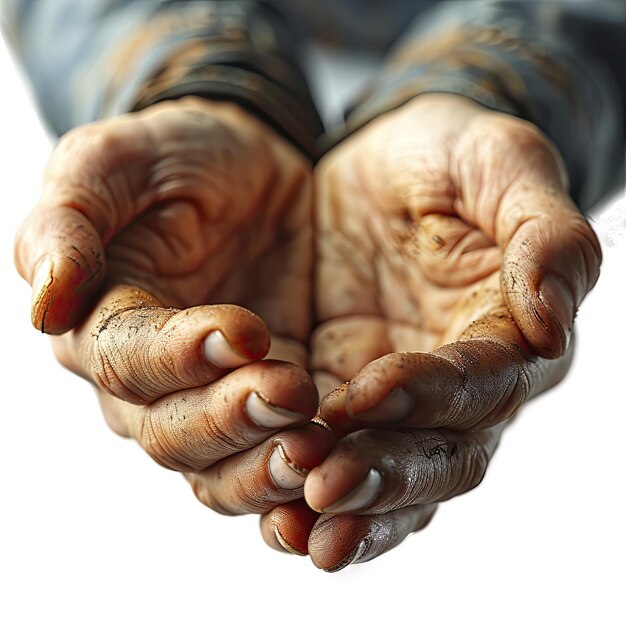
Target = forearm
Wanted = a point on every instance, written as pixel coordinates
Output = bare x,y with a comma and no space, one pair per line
552,63
89,60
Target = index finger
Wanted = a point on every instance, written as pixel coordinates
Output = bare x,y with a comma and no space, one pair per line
475,382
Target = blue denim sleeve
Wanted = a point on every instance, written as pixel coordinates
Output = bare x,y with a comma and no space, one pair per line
100,58
556,63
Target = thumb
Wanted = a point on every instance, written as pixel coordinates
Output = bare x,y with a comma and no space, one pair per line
95,184
552,260
515,185
60,254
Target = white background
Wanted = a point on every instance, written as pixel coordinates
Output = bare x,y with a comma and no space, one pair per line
93,532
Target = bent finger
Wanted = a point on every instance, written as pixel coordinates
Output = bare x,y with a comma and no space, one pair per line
476,382
551,262
337,541
551,256
190,430
287,527
272,473
375,471
138,351
95,184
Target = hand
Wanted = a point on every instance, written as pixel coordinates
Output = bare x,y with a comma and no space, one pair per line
449,257
186,204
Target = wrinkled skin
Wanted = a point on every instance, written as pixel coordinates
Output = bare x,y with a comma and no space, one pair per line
163,216
436,226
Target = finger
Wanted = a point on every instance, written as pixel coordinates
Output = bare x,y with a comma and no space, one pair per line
60,254
138,351
337,541
287,527
272,473
550,264
95,184
551,255
377,471
476,382
340,348
191,430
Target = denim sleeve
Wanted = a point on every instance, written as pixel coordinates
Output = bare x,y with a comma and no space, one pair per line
556,63
99,58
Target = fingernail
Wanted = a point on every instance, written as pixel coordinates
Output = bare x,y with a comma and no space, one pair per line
221,353
262,413
362,495
352,557
322,423
557,299
285,544
396,406
41,283
284,472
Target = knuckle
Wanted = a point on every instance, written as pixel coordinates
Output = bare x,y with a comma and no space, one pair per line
508,131
441,469
251,496
514,145
162,444
430,473
209,497
120,355
80,173
89,142
110,368
219,437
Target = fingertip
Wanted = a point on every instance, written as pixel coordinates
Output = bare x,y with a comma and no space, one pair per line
287,527
218,350
558,303
379,385
337,541
550,264
59,252
544,315
62,288
314,489
246,332
284,385
333,409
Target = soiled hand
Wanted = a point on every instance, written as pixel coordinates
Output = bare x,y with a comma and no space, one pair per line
165,215
450,263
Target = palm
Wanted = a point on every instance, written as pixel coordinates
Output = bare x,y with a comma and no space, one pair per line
226,219
395,274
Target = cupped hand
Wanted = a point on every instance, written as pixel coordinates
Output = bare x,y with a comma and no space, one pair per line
147,224
450,263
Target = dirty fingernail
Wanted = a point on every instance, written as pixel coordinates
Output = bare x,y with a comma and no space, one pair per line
285,544
221,353
362,495
262,413
557,299
394,407
284,472
41,282
352,557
